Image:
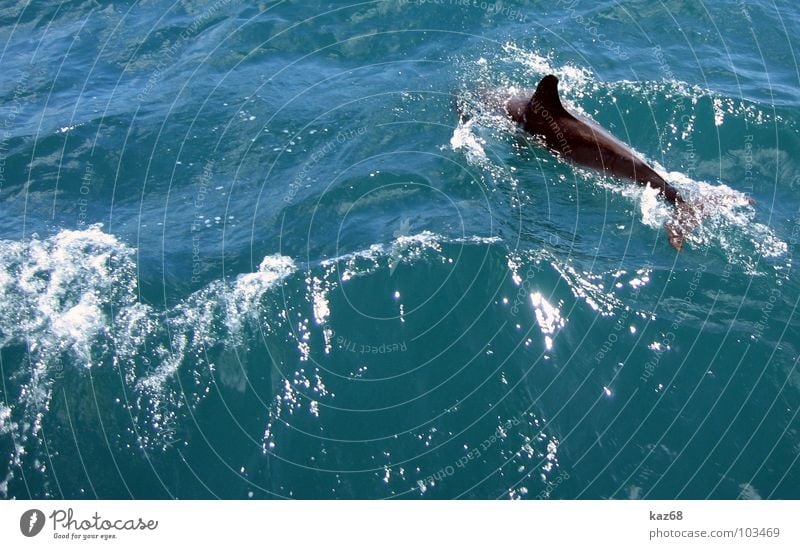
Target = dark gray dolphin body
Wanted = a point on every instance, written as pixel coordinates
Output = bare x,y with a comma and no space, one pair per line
587,144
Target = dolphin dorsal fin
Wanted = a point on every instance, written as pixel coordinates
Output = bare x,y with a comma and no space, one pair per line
546,96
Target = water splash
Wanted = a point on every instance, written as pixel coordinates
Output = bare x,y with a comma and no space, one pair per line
71,301
729,219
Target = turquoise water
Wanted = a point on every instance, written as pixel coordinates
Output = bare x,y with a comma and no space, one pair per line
249,251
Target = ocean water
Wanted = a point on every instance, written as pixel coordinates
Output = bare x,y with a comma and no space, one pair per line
248,250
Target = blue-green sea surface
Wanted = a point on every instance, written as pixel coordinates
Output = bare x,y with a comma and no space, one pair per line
250,250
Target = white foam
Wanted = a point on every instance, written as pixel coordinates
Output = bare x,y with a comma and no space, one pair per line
53,294
405,248
249,289
463,138
56,298
80,324
729,223
273,268
540,66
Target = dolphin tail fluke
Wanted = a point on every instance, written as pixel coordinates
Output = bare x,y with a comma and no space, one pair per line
686,218
675,234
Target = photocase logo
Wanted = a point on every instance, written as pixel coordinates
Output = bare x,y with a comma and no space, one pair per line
31,522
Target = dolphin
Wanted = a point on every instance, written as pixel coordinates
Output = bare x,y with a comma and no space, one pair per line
586,143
